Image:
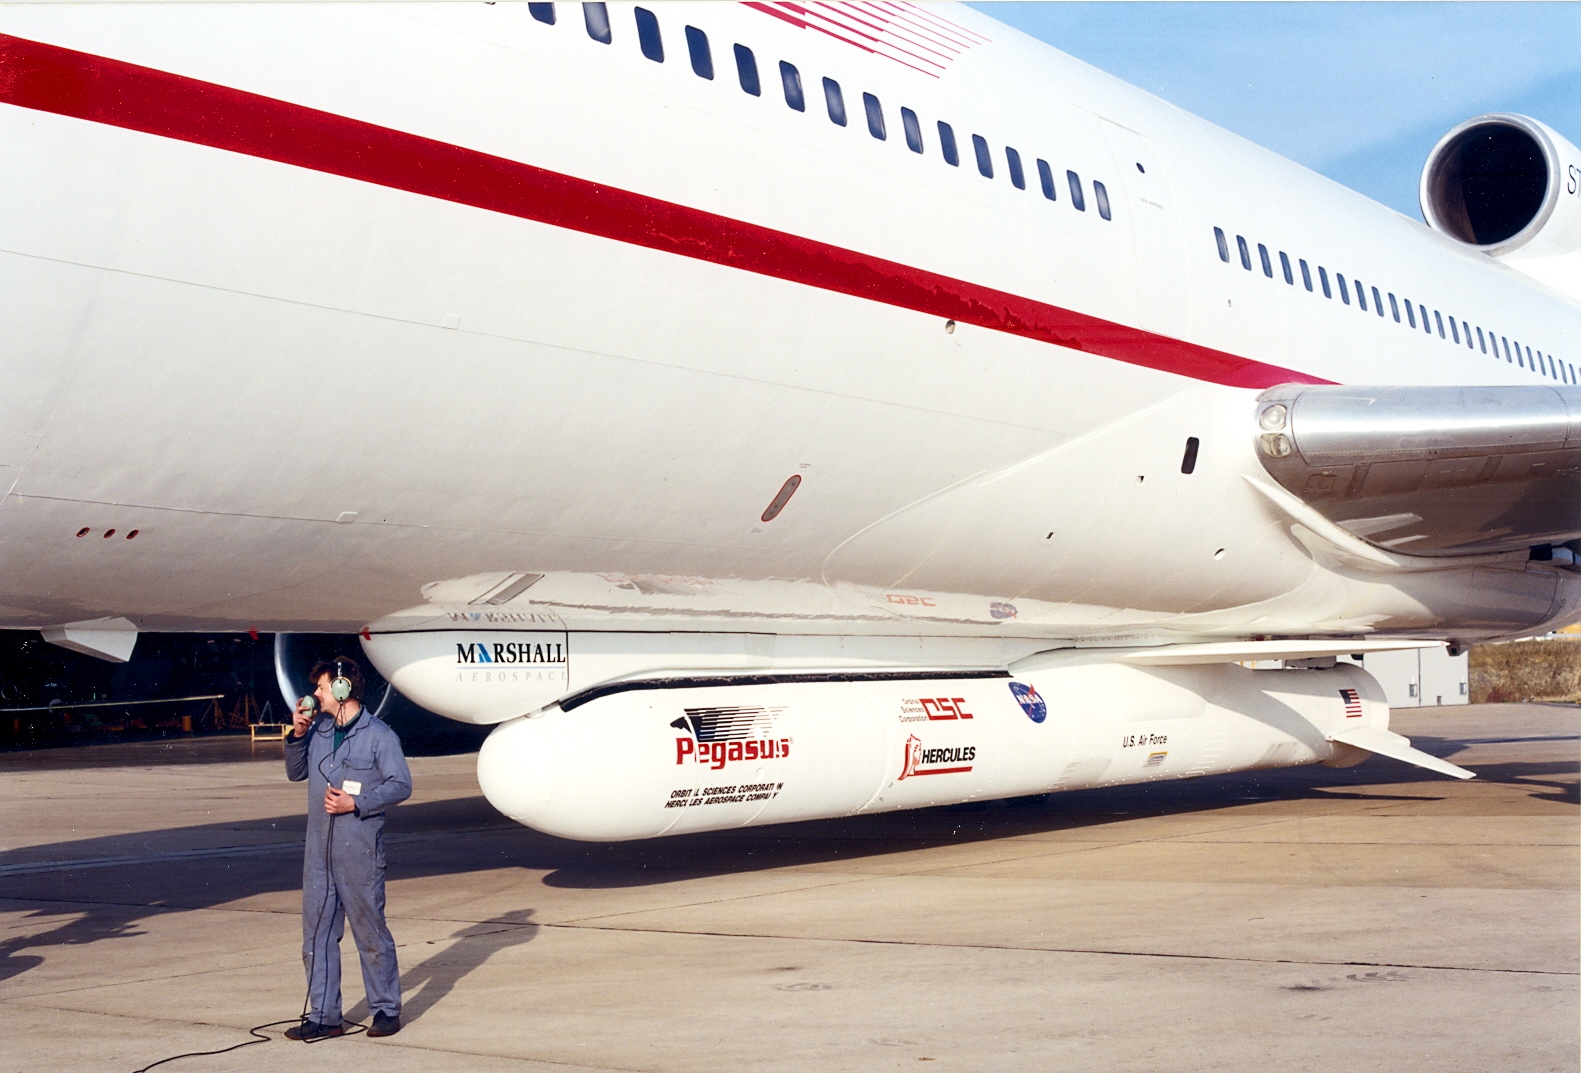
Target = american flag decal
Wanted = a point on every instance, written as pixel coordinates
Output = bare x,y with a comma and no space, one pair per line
1352,701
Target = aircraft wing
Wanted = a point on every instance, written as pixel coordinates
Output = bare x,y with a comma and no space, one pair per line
1431,470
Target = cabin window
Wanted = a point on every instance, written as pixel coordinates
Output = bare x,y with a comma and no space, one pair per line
1481,341
1438,318
747,71
1410,312
908,120
1262,255
1306,276
1344,293
1506,343
1240,241
1078,202
1284,263
697,48
952,156
985,162
648,34
1100,194
1322,275
835,101
1377,303
1046,181
875,116
1426,327
1454,331
1018,178
542,12
596,18
1361,295
790,80
1394,307
1218,232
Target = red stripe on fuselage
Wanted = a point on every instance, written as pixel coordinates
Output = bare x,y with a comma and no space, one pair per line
53,79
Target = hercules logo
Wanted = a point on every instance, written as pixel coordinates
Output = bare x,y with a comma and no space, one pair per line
920,761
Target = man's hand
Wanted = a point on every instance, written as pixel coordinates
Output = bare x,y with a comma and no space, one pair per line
301,719
338,802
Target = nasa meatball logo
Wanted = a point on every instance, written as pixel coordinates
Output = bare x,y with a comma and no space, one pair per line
1030,702
720,736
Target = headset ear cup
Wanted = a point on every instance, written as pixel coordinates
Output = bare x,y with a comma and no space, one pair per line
340,688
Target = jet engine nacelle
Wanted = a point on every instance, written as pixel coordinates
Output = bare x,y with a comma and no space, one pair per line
640,759
1511,187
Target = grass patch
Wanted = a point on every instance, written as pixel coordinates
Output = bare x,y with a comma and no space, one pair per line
1526,670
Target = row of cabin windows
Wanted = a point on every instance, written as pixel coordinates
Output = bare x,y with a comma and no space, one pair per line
596,17
1459,332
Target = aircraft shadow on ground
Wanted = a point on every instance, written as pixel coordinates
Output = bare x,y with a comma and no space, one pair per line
464,835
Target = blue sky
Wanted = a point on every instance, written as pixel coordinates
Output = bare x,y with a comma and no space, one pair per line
1357,91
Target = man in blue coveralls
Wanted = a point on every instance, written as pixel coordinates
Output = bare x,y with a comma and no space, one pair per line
355,771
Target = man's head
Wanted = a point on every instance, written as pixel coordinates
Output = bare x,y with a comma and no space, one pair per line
323,676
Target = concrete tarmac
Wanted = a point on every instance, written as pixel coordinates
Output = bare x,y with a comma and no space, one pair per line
1376,918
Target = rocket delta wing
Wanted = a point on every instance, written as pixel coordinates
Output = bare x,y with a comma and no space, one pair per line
1398,747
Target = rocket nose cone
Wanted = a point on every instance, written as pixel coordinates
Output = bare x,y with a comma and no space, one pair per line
518,773
586,774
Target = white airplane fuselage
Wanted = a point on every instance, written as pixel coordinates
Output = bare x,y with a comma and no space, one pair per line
850,342
310,394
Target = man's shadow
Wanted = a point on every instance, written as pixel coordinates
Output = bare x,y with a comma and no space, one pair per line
426,985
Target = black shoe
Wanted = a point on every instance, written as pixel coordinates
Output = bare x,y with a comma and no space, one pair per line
312,1031
384,1025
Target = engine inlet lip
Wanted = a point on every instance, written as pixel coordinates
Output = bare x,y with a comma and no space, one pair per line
1438,159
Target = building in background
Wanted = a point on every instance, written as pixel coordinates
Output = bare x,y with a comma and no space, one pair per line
1420,677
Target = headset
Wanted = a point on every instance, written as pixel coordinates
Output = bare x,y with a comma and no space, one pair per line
340,685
